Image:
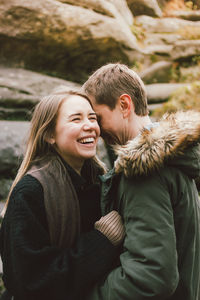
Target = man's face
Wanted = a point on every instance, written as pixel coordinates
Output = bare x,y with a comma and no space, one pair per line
110,121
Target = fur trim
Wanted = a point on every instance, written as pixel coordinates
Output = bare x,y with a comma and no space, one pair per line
148,151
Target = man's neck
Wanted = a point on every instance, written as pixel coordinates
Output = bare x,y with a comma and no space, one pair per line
138,123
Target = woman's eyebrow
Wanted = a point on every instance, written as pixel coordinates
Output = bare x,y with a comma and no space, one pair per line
72,115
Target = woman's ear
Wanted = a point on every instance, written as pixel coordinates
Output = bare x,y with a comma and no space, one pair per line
50,140
125,104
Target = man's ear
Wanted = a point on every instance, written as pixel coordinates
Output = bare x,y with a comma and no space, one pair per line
126,104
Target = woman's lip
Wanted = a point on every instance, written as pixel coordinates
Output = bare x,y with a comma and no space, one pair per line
87,137
89,145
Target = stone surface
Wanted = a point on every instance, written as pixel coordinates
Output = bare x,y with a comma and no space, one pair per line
157,73
145,7
64,40
21,89
191,15
12,144
162,3
164,25
160,92
184,49
161,39
5,185
162,50
112,8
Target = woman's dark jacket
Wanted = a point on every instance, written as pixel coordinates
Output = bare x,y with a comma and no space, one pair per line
33,269
153,188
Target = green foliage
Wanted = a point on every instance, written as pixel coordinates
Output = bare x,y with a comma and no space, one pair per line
196,59
153,58
190,5
138,31
175,72
186,71
185,98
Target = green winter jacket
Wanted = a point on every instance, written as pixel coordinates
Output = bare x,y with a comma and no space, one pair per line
153,188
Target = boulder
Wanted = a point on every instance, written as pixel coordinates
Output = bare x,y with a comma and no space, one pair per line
157,73
5,185
162,50
145,7
190,15
184,49
161,39
164,25
60,39
160,92
162,3
190,73
116,9
21,89
12,141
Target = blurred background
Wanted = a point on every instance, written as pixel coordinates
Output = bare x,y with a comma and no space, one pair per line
50,44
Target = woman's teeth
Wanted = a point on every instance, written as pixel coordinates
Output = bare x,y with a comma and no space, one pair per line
86,140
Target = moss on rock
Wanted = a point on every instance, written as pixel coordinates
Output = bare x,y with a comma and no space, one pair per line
184,98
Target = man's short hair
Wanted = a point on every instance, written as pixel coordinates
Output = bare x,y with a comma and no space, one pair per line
110,81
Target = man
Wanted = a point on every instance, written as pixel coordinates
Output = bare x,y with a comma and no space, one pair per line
152,186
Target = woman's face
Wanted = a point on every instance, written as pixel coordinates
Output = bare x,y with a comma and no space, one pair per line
76,131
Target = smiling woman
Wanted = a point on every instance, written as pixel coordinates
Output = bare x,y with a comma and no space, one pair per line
52,243
77,131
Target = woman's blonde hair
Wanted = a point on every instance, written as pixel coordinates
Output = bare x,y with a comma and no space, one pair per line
42,127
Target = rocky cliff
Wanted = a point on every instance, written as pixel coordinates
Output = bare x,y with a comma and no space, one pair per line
48,44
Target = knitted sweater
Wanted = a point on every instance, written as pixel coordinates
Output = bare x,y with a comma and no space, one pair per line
35,270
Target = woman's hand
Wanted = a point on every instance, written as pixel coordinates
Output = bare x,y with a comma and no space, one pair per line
112,227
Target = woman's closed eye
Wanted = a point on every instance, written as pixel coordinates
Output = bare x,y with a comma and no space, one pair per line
93,118
76,119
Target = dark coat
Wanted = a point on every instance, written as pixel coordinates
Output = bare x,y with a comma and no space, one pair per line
33,269
154,190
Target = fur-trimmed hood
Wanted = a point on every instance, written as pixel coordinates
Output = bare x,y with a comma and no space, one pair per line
175,141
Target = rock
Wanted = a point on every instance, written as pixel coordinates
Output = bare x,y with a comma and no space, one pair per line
160,92
184,49
31,83
161,39
190,73
162,3
22,89
145,7
164,25
15,114
162,50
157,73
152,107
5,185
191,15
116,9
65,40
12,142
15,98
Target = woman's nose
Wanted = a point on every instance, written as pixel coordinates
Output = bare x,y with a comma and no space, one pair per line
88,125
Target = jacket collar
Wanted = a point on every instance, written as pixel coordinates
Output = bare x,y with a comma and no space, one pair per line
150,150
